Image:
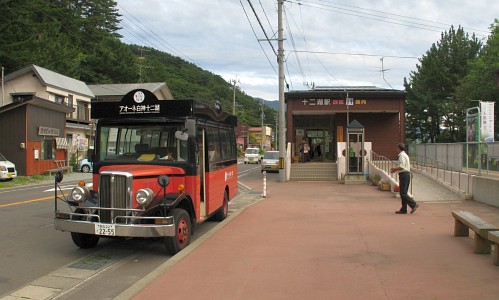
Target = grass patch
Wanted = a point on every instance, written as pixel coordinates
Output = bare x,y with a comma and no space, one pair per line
24,180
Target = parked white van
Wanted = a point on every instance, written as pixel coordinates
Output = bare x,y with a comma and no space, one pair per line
252,156
7,169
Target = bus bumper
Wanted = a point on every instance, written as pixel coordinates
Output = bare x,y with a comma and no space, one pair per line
118,230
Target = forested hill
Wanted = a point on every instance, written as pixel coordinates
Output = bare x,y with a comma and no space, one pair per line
187,80
81,40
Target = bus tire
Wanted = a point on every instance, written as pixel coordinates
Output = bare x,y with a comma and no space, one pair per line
182,238
83,240
223,212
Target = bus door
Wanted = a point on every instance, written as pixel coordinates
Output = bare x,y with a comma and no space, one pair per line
202,161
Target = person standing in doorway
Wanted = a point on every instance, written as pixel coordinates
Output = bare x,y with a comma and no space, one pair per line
306,150
404,172
302,154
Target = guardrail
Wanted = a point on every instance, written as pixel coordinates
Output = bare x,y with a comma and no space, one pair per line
455,178
384,164
440,171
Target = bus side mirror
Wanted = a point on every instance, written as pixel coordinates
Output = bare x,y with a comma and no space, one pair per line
190,125
189,131
181,135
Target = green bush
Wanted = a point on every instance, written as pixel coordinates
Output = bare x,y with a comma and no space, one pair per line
73,161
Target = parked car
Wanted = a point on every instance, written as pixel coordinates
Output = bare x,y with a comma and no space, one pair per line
85,166
270,161
252,156
7,169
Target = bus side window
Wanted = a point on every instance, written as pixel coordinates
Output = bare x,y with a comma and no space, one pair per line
228,144
213,144
212,152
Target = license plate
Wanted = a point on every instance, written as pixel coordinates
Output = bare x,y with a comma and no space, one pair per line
9,175
105,229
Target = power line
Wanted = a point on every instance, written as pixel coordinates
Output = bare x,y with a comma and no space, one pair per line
398,15
380,16
267,18
357,54
261,26
293,45
252,29
160,40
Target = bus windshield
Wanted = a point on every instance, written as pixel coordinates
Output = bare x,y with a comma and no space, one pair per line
132,142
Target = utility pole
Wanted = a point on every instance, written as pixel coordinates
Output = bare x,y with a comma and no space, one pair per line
3,89
234,81
141,58
276,130
280,59
263,131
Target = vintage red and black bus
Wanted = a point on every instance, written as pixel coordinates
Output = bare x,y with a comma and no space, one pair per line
160,167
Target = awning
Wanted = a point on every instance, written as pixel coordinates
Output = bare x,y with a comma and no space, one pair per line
62,143
78,126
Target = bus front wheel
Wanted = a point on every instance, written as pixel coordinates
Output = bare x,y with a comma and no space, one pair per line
83,240
182,238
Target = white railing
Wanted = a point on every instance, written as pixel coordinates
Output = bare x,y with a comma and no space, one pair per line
444,173
383,164
440,171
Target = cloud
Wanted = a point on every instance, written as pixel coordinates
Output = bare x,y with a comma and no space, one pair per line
326,42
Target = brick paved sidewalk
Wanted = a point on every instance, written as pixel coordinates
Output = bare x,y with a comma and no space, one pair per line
332,241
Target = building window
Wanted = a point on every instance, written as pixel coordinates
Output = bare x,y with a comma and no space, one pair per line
48,149
83,111
21,97
59,99
70,104
69,139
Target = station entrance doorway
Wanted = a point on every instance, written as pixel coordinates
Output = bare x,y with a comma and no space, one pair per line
320,141
318,132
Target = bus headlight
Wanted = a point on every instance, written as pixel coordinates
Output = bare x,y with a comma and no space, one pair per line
80,194
144,196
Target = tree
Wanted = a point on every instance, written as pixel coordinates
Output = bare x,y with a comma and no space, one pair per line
79,38
37,32
431,101
480,82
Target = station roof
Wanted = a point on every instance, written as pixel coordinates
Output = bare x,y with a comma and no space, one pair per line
121,89
341,92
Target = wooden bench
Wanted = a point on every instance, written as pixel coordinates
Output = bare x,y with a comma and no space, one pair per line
494,239
61,166
464,221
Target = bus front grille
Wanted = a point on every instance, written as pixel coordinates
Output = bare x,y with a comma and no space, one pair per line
114,193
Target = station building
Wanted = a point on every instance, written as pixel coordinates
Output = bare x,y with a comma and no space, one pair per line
321,116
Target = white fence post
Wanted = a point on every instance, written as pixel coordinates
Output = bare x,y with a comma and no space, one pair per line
264,195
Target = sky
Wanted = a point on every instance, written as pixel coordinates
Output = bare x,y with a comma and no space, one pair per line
326,42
